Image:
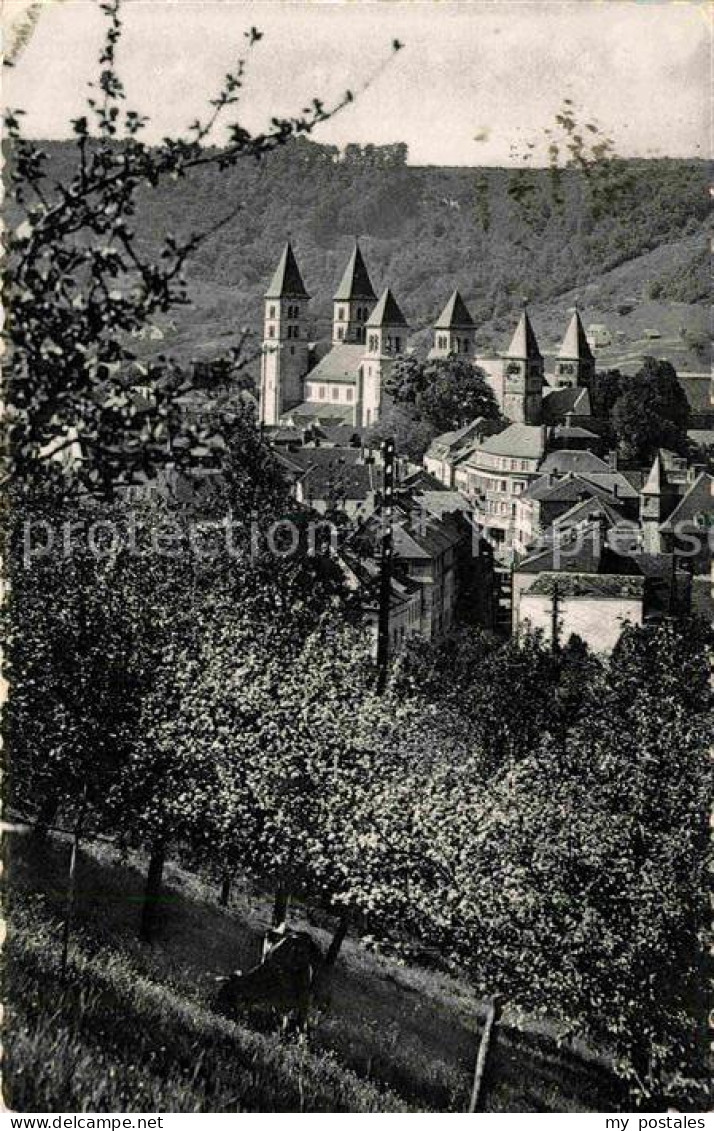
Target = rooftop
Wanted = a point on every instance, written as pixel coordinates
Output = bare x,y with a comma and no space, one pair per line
569,459
524,440
696,506
455,315
588,585
287,280
386,312
524,344
355,282
575,345
341,365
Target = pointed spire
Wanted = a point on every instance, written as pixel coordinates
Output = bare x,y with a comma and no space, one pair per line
524,345
287,280
455,315
387,312
356,282
656,480
576,346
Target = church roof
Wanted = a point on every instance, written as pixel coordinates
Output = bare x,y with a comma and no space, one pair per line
387,312
341,364
356,282
524,345
454,315
575,343
287,280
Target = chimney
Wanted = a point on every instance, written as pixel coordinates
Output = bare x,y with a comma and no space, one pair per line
568,420
612,460
616,490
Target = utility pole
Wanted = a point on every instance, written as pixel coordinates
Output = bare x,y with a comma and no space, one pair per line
554,627
385,572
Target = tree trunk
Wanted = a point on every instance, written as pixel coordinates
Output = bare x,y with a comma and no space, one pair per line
71,885
478,1091
337,940
280,907
225,893
152,893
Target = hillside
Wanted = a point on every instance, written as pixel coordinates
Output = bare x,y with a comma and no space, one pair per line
394,1037
426,230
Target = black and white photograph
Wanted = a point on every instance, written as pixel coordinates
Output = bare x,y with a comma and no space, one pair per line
357,530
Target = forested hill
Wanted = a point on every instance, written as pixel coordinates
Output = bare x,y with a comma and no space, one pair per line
425,230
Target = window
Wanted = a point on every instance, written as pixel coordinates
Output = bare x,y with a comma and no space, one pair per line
290,331
271,331
466,345
335,393
398,345
340,332
292,349
374,342
322,392
350,393
271,312
341,313
296,331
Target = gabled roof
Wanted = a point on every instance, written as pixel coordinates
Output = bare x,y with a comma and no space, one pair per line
699,500
656,482
355,282
287,280
563,488
524,440
448,442
387,312
558,402
524,345
340,365
575,345
593,507
581,550
570,459
455,315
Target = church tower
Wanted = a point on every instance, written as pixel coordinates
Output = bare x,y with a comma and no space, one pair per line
655,498
284,358
523,375
575,364
454,330
386,338
353,302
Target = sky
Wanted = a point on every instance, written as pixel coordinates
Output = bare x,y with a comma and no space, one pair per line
475,83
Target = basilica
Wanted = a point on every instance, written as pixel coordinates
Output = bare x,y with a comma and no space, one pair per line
344,386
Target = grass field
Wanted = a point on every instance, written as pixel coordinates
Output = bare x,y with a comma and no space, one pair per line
131,1028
